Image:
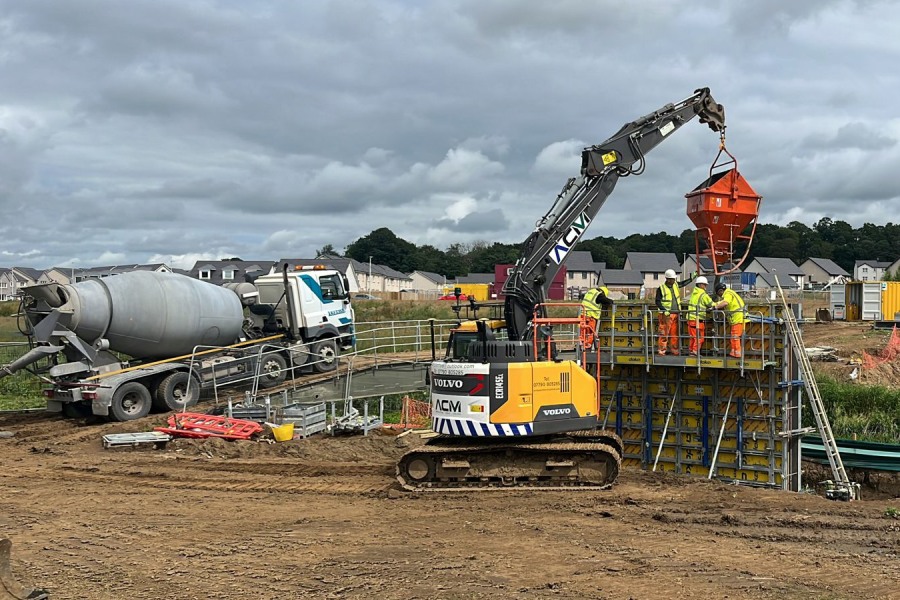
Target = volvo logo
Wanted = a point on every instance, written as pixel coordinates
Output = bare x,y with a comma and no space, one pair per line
447,383
557,411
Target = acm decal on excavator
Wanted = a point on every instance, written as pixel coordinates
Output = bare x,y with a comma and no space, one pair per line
506,415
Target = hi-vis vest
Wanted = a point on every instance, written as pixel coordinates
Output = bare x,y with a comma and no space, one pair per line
698,305
736,307
670,296
589,304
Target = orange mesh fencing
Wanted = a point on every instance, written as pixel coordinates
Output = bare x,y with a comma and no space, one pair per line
890,352
414,414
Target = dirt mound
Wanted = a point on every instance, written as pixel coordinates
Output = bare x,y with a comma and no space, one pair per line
379,447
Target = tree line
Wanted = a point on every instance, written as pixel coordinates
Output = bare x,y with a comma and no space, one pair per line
836,240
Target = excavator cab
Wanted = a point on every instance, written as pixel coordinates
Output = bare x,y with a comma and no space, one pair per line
724,209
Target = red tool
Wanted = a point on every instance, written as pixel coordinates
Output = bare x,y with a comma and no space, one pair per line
199,425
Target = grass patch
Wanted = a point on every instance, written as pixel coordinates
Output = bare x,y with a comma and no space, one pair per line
19,391
871,412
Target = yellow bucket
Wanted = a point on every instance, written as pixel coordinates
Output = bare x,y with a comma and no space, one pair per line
283,433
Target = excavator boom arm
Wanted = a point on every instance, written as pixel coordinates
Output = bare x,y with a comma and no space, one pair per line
557,232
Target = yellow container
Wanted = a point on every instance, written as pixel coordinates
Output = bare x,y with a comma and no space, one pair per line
890,300
283,433
479,291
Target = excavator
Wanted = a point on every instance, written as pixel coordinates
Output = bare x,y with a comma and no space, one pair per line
508,413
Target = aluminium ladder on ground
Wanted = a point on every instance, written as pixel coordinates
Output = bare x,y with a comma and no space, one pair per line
844,489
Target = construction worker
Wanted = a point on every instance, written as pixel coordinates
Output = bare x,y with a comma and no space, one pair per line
735,311
590,308
698,309
668,302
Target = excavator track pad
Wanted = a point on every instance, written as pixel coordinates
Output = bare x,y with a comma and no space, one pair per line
577,460
10,589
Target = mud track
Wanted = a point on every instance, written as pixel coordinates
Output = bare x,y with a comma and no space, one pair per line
321,518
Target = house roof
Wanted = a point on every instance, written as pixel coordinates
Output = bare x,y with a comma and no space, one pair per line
706,263
241,265
32,274
829,266
782,266
432,277
582,261
878,264
652,262
769,278
621,278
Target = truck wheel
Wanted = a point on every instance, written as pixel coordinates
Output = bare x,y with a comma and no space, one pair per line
272,371
131,401
325,356
172,392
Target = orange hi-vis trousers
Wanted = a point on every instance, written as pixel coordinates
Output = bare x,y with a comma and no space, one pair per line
697,331
589,329
737,330
668,333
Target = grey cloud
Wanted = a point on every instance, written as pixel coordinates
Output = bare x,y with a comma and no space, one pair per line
154,128
476,222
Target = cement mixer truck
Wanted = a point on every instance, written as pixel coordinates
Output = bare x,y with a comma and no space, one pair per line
124,345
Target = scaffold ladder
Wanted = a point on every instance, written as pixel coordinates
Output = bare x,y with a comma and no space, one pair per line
841,488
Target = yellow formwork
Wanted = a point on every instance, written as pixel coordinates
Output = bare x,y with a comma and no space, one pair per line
643,395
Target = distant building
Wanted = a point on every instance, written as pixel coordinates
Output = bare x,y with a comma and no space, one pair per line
870,270
784,268
652,265
110,270
823,271
581,272
622,283
219,272
425,282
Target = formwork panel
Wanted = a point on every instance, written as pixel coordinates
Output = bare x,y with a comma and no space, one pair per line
671,414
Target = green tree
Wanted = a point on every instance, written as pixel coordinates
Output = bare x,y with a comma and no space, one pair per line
384,248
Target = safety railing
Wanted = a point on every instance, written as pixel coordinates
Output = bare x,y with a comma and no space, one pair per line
633,332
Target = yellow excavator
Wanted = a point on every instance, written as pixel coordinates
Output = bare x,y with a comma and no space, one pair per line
509,413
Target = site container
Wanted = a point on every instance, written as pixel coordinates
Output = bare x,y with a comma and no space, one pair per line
864,301
479,291
838,303
890,300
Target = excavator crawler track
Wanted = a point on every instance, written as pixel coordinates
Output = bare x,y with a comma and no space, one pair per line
580,460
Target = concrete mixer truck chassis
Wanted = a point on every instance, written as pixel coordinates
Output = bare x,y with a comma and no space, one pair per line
124,345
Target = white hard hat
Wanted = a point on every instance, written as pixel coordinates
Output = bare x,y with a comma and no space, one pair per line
700,280
670,273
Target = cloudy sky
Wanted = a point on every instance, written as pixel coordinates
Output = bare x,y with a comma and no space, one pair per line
177,130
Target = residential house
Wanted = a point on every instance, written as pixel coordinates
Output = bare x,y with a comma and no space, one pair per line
784,268
652,266
582,272
110,270
894,269
689,265
766,281
622,283
361,277
425,282
15,279
823,271
870,270
56,275
6,284
219,272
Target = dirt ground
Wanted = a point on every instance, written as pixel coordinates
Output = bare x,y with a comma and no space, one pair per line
320,518
851,340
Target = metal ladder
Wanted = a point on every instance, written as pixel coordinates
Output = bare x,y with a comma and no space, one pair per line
841,488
